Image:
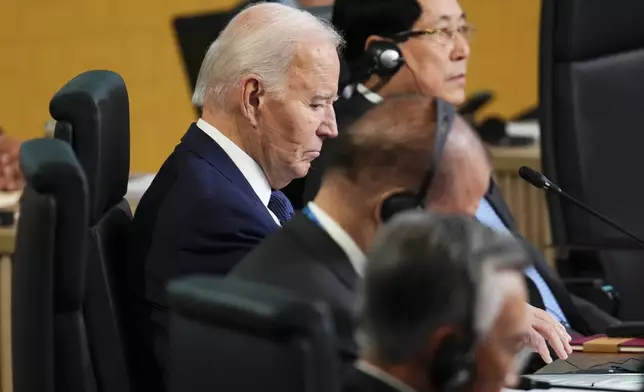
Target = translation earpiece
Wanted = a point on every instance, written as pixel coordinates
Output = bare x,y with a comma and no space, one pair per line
385,56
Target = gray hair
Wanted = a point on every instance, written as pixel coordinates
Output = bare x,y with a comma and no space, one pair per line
262,44
427,270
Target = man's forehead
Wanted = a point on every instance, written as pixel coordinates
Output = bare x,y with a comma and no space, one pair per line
315,68
439,11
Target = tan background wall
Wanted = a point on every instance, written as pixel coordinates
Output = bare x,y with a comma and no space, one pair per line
44,43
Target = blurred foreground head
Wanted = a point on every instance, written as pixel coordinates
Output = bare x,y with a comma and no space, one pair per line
436,288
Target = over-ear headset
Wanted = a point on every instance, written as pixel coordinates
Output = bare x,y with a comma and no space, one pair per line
409,200
385,58
453,364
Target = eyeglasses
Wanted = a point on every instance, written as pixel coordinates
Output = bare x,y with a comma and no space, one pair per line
442,36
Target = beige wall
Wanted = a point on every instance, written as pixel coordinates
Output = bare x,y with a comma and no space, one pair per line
44,43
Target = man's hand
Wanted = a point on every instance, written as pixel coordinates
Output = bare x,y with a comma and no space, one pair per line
544,328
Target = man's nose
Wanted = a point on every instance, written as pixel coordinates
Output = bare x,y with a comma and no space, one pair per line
461,49
329,127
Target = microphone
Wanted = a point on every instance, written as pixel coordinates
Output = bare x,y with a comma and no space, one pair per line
528,384
540,181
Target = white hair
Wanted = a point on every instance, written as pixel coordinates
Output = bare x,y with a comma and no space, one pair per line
262,44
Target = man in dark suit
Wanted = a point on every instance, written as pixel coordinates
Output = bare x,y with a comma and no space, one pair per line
410,345
430,64
320,253
266,93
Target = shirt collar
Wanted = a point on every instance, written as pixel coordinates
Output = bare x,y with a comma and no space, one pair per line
383,376
247,165
339,235
368,94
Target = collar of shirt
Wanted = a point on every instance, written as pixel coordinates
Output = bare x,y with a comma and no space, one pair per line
487,216
368,94
246,165
334,230
383,376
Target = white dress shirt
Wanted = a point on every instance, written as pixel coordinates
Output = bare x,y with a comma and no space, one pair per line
336,232
246,165
383,376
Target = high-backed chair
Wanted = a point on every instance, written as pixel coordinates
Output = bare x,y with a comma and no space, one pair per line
234,336
49,333
591,114
92,114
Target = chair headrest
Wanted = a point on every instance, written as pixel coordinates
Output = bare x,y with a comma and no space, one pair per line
95,106
242,305
588,29
50,168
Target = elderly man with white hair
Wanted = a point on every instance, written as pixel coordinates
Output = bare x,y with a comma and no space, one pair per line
266,88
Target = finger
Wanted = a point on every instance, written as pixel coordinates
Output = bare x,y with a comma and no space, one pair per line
561,330
538,344
551,334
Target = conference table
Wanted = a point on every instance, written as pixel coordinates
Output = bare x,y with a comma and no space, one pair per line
527,204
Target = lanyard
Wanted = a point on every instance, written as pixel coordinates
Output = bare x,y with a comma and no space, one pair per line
309,214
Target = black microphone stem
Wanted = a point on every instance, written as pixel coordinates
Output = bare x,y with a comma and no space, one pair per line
597,215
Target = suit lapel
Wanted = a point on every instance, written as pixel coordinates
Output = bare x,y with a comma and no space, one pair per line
323,248
495,198
557,287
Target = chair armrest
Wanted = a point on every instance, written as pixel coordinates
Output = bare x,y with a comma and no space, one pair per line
596,291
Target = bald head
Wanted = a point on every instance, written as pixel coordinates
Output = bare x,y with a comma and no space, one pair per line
464,172
392,145
389,147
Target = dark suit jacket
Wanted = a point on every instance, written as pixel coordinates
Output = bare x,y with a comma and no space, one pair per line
359,381
303,258
583,316
199,215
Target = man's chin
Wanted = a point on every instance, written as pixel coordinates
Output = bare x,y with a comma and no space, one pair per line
302,169
456,97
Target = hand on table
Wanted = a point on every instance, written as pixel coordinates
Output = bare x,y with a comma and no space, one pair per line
545,328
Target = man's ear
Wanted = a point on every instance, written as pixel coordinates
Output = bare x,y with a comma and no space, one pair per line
371,39
435,340
252,94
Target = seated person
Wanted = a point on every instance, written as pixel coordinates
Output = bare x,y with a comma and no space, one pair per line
433,36
438,289
320,253
266,92
11,178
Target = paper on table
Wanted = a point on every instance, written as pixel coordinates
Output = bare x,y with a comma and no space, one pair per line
626,382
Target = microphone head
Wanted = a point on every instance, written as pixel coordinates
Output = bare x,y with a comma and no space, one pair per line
533,177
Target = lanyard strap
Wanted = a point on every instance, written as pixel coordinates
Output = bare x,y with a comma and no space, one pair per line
309,214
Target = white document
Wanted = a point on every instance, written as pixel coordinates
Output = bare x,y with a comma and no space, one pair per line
623,381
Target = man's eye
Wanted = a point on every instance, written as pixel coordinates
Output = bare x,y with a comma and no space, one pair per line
317,106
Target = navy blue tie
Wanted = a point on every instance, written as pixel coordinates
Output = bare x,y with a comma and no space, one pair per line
281,206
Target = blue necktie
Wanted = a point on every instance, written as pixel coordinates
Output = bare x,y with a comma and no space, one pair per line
280,206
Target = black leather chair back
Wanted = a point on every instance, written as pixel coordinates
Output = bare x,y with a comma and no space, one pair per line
49,335
92,113
234,336
591,113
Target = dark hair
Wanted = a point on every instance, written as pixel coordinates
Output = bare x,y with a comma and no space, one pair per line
389,146
359,19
